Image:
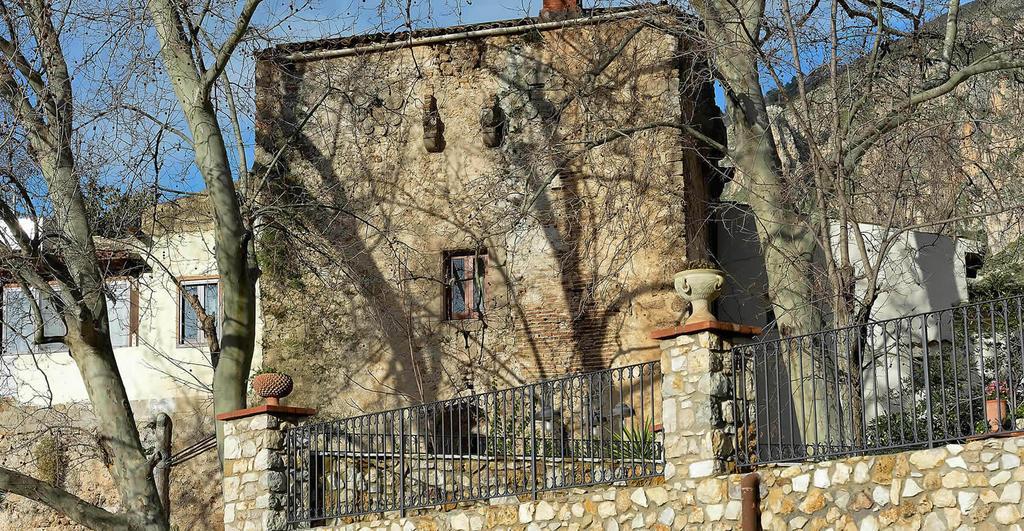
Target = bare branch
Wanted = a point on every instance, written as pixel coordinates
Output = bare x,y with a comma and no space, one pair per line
74,507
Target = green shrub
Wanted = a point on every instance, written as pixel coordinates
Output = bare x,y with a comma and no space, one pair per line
51,460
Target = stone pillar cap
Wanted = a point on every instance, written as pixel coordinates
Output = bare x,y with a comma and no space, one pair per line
721,327
268,410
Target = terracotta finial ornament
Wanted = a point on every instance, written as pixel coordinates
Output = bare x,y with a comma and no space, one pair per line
272,386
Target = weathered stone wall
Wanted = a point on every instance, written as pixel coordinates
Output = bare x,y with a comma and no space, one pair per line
972,486
195,484
254,472
576,262
977,485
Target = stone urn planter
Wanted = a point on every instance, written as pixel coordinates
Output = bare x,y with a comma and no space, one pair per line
272,386
700,287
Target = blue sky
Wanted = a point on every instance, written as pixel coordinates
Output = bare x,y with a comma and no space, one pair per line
325,18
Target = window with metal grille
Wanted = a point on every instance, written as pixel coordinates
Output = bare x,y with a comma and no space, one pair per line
464,285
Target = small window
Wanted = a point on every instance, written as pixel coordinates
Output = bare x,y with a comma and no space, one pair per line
464,285
190,332
19,326
120,312
973,263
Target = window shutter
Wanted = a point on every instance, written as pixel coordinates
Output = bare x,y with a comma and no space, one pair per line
119,313
17,321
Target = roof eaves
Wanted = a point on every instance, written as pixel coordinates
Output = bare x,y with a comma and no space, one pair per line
378,42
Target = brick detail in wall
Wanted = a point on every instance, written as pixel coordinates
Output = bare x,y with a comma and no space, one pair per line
558,337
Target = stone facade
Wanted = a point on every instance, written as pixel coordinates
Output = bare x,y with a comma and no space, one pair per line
696,386
254,469
574,239
972,486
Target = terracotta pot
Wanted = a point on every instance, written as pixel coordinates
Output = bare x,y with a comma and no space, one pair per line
699,287
272,386
995,411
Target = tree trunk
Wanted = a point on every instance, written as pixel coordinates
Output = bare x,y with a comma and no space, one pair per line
235,261
162,468
88,340
786,238
131,470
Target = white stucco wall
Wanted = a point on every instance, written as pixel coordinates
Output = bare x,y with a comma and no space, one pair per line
157,372
922,272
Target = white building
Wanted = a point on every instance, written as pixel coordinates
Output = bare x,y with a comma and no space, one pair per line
922,271
160,350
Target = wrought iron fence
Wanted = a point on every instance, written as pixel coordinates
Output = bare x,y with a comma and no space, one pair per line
574,431
917,381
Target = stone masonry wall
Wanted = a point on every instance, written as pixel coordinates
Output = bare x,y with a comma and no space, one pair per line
972,486
977,485
574,282
254,476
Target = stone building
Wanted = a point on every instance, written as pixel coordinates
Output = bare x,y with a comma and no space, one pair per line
487,204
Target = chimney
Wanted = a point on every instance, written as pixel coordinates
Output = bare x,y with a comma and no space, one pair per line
560,9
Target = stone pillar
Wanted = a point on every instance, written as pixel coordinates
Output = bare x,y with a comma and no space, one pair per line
697,396
255,482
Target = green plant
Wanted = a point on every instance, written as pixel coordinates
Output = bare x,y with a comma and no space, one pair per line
699,264
634,443
264,370
51,460
506,429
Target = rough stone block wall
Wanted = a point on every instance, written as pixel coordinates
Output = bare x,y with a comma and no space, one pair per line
575,282
977,485
254,473
696,386
973,486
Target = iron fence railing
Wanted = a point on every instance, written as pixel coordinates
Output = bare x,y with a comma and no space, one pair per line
574,431
917,381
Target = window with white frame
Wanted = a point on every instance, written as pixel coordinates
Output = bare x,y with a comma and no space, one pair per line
19,326
190,330
121,312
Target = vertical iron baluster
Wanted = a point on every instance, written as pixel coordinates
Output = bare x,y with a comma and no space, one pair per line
289,509
825,369
838,402
898,343
533,440
1020,343
981,355
401,463
473,443
995,351
927,380
335,470
853,365
943,390
803,401
774,366
956,376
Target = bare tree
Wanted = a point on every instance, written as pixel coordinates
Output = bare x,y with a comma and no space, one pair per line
61,263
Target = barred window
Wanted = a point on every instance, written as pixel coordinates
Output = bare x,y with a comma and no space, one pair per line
464,285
